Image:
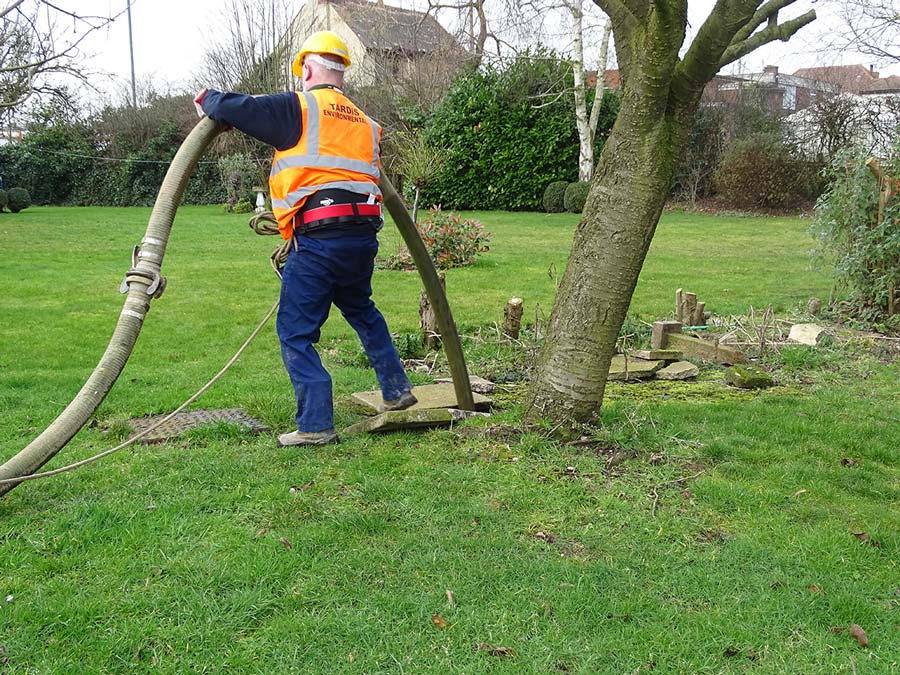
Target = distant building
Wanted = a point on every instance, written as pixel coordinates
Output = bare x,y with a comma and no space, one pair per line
11,135
853,79
386,43
782,94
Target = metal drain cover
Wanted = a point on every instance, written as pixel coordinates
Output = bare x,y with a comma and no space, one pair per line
185,421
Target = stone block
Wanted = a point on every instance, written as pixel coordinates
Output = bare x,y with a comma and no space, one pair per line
655,354
806,334
479,384
661,331
706,350
680,370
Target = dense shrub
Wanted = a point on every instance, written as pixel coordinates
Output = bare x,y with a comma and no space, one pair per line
4,199
863,240
507,133
450,240
764,171
239,174
575,196
118,157
49,162
554,197
701,157
18,199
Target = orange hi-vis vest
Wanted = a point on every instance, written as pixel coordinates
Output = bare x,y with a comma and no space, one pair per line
338,148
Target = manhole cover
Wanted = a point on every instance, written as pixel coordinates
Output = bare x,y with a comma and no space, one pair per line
185,421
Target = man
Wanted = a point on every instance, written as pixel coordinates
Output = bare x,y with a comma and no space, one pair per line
325,195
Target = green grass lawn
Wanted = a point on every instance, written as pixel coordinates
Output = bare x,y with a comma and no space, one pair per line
698,530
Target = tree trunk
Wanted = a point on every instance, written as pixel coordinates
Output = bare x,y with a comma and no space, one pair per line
661,89
611,242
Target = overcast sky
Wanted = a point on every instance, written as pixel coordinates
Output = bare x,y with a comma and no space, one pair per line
170,36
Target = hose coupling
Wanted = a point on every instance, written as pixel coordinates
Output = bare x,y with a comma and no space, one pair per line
156,283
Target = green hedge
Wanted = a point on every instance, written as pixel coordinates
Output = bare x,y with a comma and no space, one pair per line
4,199
507,134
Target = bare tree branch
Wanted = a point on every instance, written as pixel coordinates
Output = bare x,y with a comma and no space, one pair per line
769,11
873,28
32,48
772,32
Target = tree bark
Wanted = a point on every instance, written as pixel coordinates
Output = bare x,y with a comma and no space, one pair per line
611,242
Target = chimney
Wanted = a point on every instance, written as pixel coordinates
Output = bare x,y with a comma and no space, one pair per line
771,70
872,72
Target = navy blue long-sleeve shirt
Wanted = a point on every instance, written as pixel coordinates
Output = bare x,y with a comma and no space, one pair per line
274,119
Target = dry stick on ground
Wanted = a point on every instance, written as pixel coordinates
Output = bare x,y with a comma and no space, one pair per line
669,482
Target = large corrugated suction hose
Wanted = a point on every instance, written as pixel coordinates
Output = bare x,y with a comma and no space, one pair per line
144,282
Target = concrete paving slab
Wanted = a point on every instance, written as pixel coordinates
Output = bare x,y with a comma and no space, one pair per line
430,396
396,420
632,369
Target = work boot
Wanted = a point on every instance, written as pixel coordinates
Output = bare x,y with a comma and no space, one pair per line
402,403
308,438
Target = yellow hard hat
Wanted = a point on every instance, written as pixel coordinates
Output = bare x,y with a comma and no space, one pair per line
323,42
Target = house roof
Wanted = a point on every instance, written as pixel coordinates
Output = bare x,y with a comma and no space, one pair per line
385,28
855,78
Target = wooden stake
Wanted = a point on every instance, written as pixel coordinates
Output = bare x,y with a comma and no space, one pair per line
431,334
697,319
512,317
690,307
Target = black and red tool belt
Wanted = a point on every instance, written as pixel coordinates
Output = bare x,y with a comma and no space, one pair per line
338,213
339,220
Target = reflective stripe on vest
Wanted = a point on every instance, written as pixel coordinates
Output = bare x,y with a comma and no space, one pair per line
350,162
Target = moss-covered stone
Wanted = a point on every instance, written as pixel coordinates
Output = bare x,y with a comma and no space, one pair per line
748,377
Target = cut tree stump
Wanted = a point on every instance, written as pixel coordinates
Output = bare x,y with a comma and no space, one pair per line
688,311
512,318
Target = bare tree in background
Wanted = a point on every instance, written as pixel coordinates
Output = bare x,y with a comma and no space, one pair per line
37,53
254,55
586,123
837,122
873,28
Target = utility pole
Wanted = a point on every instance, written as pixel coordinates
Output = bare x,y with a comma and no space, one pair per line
131,50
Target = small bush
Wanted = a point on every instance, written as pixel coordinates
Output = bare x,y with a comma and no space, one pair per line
4,199
450,240
575,196
554,197
18,199
243,206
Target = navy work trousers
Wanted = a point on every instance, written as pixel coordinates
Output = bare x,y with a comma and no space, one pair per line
318,273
